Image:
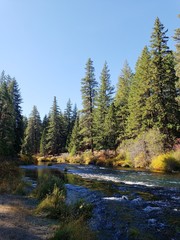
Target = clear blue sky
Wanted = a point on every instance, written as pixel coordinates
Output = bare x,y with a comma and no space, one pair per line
45,44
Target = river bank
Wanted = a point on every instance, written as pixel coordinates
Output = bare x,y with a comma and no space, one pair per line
18,222
123,209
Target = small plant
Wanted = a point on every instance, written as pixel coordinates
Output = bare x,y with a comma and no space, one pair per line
46,185
54,204
74,230
10,177
134,233
81,210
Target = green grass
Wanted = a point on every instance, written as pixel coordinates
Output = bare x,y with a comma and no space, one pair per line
46,185
10,178
74,230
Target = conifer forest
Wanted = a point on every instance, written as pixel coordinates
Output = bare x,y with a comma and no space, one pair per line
139,118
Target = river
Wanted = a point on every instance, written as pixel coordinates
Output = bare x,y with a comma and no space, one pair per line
128,204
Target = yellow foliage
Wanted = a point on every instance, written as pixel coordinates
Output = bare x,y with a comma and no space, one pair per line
166,162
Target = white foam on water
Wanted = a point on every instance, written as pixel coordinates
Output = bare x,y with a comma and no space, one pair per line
138,183
123,198
113,179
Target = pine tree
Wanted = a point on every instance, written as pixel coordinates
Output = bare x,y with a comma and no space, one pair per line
68,121
88,90
43,141
177,57
55,131
121,99
103,101
31,143
74,144
74,114
7,135
139,118
110,128
163,81
18,118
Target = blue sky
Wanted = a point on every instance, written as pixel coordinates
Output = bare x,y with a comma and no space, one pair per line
45,44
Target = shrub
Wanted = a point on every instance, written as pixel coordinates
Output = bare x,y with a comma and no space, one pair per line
10,177
81,210
141,150
46,185
27,159
54,204
88,157
165,162
74,230
140,161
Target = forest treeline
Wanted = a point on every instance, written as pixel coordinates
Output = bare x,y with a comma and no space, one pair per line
143,107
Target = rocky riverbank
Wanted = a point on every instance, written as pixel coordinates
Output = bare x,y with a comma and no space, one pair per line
132,212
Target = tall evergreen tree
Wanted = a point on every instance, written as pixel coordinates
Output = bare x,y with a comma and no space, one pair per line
103,101
163,81
121,99
139,118
43,141
55,131
7,135
177,57
75,140
31,143
88,90
68,121
18,118
110,128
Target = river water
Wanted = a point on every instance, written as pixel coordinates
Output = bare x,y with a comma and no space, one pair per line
131,177
128,204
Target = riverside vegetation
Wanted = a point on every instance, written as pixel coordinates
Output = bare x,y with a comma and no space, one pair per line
51,194
135,125
138,120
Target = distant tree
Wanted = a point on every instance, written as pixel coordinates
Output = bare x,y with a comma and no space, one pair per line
43,141
110,128
31,144
3,77
55,131
103,101
74,115
75,140
88,90
121,99
68,120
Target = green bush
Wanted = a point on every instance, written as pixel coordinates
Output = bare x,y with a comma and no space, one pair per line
80,209
141,150
74,230
10,177
54,204
46,185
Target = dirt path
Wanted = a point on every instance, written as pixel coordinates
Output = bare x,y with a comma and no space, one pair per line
17,221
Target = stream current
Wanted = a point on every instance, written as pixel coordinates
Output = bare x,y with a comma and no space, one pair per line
128,204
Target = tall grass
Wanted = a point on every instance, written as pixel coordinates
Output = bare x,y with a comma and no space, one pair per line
46,184
74,230
10,178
